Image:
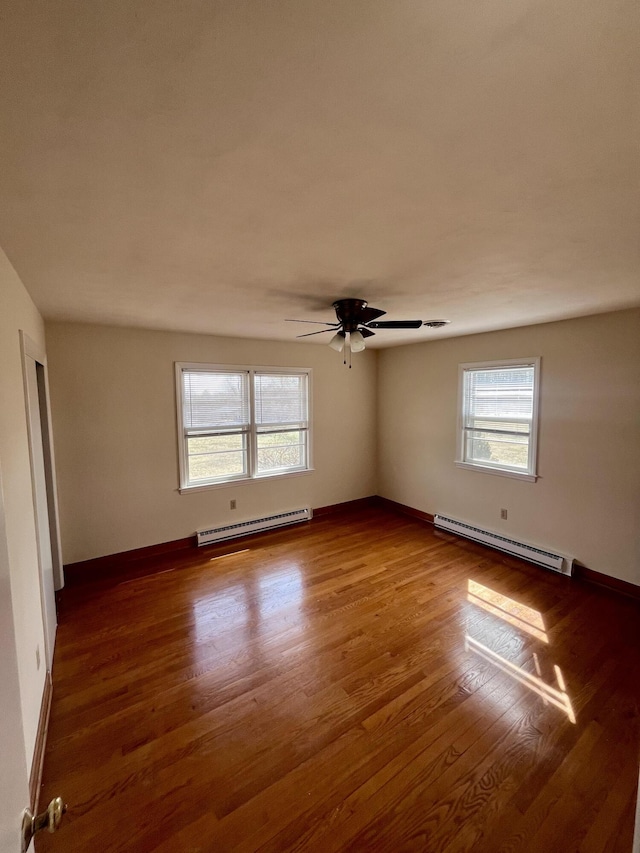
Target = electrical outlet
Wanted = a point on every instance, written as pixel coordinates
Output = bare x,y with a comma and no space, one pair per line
38,657
503,514
232,504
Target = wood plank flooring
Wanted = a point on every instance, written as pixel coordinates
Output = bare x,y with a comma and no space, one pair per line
360,683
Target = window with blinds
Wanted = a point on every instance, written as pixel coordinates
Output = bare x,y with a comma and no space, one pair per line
241,423
498,416
282,421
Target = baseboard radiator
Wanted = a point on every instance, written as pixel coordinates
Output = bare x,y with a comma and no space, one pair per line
256,525
556,562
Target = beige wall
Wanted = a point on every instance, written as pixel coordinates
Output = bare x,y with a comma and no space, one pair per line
17,312
586,502
115,436
113,404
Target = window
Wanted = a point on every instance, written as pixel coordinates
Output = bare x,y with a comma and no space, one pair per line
241,423
498,417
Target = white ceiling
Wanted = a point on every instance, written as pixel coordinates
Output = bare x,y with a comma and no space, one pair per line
220,165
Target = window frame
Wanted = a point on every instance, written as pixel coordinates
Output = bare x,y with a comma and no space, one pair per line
530,474
251,433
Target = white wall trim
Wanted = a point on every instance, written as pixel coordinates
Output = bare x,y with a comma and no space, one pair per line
242,481
501,472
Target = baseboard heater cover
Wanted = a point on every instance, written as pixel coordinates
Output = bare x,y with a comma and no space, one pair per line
556,562
256,525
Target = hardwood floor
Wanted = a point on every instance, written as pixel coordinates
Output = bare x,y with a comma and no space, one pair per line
360,683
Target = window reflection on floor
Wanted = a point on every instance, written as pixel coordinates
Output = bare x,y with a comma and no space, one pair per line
529,621
258,605
221,610
556,697
282,588
516,614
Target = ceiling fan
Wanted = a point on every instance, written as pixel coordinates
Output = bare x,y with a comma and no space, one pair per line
356,320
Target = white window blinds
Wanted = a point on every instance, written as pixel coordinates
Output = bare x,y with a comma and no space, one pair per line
499,399
280,401
215,401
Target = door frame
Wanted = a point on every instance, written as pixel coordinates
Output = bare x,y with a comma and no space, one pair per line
30,350
14,772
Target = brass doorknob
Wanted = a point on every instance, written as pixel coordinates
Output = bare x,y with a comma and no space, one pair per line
55,810
49,819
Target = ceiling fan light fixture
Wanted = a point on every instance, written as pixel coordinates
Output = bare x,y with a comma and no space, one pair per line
356,322
337,342
356,342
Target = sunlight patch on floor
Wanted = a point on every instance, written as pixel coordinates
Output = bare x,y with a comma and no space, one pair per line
559,698
525,619
516,614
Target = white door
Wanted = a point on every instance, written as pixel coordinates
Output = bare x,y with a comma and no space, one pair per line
14,776
41,506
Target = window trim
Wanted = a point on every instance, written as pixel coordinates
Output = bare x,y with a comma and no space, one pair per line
184,486
530,475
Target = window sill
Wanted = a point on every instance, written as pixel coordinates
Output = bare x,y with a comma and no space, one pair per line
242,481
486,469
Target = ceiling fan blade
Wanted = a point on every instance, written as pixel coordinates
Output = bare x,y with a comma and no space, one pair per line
317,322
369,314
366,333
322,331
395,324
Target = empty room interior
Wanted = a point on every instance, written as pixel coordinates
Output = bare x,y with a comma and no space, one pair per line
320,426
